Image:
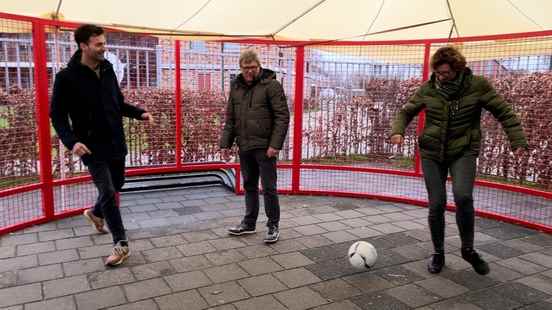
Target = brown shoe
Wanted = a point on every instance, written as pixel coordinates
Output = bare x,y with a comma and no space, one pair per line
94,220
119,254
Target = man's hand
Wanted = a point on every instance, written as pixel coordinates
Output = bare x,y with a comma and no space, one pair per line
80,149
148,117
397,139
272,152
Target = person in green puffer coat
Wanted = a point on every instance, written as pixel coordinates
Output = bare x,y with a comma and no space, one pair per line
453,99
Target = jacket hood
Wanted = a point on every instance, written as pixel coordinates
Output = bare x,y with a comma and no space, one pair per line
265,76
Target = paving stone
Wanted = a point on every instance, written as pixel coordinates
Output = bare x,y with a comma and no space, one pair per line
8,278
442,287
259,266
387,228
507,232
285,246
191,263
336,289
153,270
146,289
58,257
225,257
340,236
83,266
521,266
408,225
20,294
328,217
161,254
292,260
262,285
38,274
102,298
62,303
226,273
538,282
342,305
227,243
20,262
413,295
349,214
7,251
296,277
411,251
469,279
455,304
141,305
35,248
520,293
95,251
255,251
538,258
491,300
264,302
368,282
55,234
306,220
219,294
500,250
197,248
65,286
398,275
379,301
187,281
110,277
309,230
522,245
314,241
167,241
331,269
189,300
16,239
300,298
72,243
198,236
333,226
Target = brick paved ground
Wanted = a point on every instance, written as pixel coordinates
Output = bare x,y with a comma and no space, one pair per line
182,258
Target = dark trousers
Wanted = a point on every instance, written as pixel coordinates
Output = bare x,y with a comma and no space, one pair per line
255,163
109,177
462,171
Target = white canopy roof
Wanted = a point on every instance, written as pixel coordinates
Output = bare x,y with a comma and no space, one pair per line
351,20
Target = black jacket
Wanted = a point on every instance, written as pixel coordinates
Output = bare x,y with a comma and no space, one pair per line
257,115
90,110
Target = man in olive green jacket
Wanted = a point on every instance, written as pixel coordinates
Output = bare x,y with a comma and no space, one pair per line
257,118
453,100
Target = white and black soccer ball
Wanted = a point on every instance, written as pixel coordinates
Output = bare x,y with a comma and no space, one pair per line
362,255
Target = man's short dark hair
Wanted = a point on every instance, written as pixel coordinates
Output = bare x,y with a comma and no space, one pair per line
84,32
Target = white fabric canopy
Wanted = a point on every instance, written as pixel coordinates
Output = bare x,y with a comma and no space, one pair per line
352,20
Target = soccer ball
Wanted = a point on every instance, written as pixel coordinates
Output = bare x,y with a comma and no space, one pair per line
362,255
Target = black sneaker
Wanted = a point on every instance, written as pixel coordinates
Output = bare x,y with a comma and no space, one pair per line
272,234
436,263
241,229
478,264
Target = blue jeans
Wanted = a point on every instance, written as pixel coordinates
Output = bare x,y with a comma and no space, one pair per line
109,177
463,172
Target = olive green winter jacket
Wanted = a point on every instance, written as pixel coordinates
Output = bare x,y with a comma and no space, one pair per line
453,127
257,115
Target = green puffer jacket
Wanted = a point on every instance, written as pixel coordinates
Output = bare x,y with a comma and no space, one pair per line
257,116
453,127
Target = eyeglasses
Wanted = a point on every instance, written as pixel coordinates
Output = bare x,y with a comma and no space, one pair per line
249,68
444,73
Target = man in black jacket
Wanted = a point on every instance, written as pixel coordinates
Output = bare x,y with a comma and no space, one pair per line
257,118
87,112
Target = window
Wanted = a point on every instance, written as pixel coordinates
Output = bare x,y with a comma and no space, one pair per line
204,81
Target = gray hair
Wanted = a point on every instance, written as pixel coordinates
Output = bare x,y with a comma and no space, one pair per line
249,56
